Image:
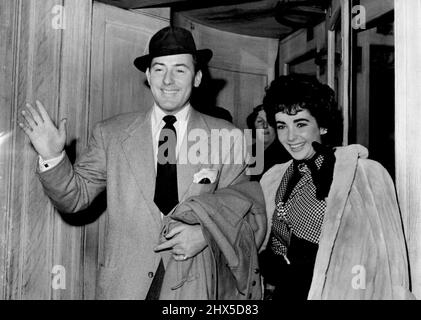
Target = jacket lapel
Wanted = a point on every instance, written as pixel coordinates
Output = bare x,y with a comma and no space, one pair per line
137,147
186,170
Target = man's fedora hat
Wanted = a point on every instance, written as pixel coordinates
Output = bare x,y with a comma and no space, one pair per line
171,41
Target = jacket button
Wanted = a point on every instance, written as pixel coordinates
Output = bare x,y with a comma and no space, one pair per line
250,295
253,283
256,270
150,275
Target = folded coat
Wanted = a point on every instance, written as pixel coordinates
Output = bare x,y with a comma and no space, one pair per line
233,221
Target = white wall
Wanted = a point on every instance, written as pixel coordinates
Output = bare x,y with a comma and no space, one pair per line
408,123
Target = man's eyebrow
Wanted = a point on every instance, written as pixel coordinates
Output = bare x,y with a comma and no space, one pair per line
157,63
181,65
175,65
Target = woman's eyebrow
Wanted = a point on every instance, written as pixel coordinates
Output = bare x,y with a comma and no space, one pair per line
301,119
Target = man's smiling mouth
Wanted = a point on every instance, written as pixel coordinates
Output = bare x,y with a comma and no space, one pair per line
169,91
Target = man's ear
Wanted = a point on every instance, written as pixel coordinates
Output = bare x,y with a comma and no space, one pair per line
197,78
148,76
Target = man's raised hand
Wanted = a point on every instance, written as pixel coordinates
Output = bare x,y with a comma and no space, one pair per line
47,140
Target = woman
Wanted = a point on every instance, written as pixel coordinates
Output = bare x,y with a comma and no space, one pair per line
334,227
274,152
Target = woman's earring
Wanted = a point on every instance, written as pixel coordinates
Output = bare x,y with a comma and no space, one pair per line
323,131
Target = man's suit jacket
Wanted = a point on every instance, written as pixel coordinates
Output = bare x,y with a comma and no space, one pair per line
120,158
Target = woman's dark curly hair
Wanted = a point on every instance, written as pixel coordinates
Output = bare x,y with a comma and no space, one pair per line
293,93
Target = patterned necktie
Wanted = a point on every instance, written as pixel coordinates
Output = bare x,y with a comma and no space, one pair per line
166,190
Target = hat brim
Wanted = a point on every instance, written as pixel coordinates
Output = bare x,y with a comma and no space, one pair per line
202,56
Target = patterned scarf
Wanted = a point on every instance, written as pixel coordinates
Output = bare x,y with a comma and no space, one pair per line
300,201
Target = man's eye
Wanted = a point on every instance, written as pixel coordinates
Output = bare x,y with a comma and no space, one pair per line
301,124
280,126
180,71
157,69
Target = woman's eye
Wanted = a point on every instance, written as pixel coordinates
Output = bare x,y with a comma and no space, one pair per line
280,126
301,125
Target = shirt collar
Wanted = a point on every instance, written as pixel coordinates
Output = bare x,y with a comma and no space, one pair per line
158,114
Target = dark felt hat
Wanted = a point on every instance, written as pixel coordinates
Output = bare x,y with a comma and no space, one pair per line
171,41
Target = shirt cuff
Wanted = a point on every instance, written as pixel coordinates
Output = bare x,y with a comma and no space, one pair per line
45,165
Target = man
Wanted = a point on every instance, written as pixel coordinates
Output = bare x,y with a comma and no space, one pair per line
125,155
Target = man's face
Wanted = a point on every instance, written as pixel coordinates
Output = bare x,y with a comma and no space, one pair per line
171,79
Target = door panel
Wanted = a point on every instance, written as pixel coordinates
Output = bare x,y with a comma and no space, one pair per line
241,93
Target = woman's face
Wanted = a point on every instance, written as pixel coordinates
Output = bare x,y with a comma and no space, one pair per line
268,134
297,133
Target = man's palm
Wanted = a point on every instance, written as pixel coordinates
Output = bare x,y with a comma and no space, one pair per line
47,140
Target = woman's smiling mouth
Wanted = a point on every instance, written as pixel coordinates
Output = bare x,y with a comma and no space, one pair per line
297,147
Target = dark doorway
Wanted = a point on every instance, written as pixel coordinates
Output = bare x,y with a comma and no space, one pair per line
382,106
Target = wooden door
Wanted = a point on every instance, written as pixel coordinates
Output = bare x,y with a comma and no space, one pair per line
241,93
45,60
81,70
